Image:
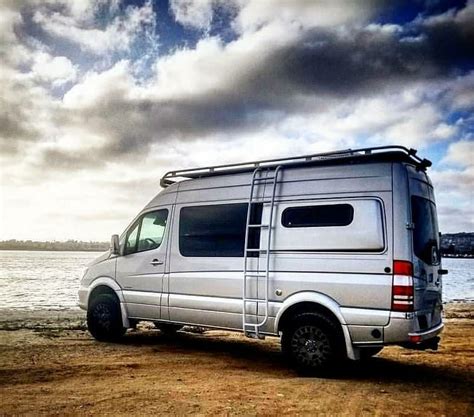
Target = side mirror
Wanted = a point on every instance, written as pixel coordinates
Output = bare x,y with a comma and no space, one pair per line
114,245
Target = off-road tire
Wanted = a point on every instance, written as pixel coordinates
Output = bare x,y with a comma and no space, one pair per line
368,352
104,319
313,344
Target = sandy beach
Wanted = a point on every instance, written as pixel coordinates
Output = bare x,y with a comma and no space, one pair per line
49,365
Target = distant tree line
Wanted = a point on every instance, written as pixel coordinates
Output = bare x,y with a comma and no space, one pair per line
457,245
452,245
69,245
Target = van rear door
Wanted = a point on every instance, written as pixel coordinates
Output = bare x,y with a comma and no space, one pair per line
426,253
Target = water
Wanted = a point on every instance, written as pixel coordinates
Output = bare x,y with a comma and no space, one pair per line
458,285
50,280
39,280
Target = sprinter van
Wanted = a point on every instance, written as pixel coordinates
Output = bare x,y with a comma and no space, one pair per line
336,253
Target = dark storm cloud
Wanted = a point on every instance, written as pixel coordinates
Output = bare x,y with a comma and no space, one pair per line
322,66
328,63
21,107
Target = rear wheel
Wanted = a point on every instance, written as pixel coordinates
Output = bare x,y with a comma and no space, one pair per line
312,344
104,319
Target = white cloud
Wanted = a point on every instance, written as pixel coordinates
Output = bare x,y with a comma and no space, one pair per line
57,70
193,13
461,154
100,86
461,92
309,14
455,198
454,188
118,35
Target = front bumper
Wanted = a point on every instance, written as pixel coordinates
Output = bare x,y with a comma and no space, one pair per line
83,296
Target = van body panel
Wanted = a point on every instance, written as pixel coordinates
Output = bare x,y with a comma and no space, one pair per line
365,316
401,217
366,335
365,233
367,290
141,276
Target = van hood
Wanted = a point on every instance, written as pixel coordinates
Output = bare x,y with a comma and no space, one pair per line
99,259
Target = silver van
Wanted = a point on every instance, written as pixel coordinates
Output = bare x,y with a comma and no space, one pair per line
337,253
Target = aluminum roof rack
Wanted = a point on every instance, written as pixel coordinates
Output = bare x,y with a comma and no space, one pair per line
362,154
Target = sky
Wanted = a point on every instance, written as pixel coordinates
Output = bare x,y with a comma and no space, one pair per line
99,98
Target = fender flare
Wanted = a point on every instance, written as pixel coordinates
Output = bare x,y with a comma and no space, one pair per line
325,301
112,284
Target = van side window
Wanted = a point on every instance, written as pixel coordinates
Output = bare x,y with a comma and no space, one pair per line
213,230
152,230
318,216
148,232
132,238
425,233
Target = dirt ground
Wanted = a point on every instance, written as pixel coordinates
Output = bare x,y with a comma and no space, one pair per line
52,366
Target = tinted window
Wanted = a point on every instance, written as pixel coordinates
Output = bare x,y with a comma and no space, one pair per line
217,230
131,241
147,233
152,230
425,234
318,216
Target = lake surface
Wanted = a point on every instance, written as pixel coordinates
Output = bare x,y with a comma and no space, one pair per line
50,280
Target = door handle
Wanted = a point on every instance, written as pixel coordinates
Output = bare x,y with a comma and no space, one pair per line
156,262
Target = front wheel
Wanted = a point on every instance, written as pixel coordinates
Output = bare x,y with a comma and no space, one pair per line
312,344
104,319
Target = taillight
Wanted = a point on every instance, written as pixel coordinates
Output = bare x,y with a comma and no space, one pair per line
402,286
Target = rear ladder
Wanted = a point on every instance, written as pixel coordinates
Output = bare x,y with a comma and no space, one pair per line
251,328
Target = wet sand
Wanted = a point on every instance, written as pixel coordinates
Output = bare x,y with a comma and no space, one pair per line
49,365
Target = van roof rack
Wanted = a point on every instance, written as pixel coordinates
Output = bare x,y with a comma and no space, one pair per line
373,154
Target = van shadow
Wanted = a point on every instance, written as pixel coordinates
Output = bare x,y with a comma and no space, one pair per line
237,352
266,358
430,376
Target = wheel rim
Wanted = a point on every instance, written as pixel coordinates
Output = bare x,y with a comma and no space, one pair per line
311,346
103,316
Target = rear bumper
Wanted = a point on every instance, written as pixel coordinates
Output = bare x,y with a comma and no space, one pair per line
404,327
428,334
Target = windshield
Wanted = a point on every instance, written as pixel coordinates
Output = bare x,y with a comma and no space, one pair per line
425,234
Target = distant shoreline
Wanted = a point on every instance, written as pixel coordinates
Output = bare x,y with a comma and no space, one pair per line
467,256
51,250
453,245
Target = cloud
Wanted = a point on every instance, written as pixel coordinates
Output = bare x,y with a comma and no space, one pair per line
454,187
80,28
57,70
26,110
81,108
460,153
191,13
343,81
455,218
254,14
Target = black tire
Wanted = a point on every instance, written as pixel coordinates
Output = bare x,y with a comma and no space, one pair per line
104,319
367,352
313,344
168,329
